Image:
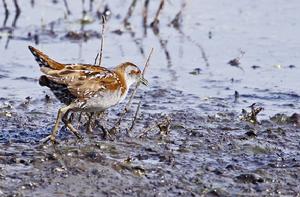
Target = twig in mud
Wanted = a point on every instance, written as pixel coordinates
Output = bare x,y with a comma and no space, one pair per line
138,84
176,22
251,116
145,131
91,5
137,42
32,3
128,27
83,19
9,37
95,62
6,13
236,61
18,12
129,14
155,22
107,12
135,117
163,127
102,40
5,7
83,8
163,45
145,16
161,5
67,7
236,96
126,109
100,54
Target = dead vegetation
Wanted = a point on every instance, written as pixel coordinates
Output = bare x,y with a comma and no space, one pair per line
252,115
237,61
128,105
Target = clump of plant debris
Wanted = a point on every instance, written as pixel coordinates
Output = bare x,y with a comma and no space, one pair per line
252,115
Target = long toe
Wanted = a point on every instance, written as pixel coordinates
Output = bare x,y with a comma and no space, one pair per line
45,140
89,130
78,136
53,140
107,134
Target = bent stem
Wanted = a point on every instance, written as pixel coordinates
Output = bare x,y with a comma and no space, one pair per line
126,109
100,54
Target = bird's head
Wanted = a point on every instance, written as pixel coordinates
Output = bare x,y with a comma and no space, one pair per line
131,73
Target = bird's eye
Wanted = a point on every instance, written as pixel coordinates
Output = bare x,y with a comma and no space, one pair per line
134,72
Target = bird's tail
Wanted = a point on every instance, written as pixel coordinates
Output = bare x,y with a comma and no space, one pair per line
44,61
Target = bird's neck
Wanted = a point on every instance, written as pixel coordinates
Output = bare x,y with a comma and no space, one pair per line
123,83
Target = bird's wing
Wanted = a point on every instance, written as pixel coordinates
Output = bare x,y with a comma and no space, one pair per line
83,81
45,62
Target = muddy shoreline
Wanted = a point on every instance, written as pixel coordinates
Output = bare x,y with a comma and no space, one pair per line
196,154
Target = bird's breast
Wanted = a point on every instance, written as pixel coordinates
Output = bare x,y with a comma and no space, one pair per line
102,100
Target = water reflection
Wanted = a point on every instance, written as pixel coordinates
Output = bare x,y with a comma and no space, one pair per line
10,29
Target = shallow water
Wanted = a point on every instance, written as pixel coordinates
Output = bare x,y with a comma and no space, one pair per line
209,150
267,34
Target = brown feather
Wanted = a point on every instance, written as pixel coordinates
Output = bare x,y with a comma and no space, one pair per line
44,60
82,80
84,83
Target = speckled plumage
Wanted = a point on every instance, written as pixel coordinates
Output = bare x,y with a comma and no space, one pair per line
84,87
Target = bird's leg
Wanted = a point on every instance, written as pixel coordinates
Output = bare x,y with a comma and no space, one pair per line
60,114
71,117
79,119
69,125
106,133
89,128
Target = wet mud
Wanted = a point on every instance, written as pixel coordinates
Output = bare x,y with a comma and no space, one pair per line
184,151
221,116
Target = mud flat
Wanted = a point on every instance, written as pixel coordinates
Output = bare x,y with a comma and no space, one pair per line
182,152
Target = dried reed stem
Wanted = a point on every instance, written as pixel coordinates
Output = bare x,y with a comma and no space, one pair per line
161,5
126,109
138,83
145,16
67,7
129,14
155,22
135,116
6,13
102,40
18,10
5,7
100,54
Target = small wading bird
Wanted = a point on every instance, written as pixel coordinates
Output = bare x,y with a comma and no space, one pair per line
84,87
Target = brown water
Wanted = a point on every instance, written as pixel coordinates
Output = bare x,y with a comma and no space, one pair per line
208,150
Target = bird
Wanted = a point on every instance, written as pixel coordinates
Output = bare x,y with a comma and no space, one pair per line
85,87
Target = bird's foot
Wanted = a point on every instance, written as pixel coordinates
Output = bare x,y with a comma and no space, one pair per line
107,134
50,138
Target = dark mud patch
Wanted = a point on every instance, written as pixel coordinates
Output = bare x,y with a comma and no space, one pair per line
195,153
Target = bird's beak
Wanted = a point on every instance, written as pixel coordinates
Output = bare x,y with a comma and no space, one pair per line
143,81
